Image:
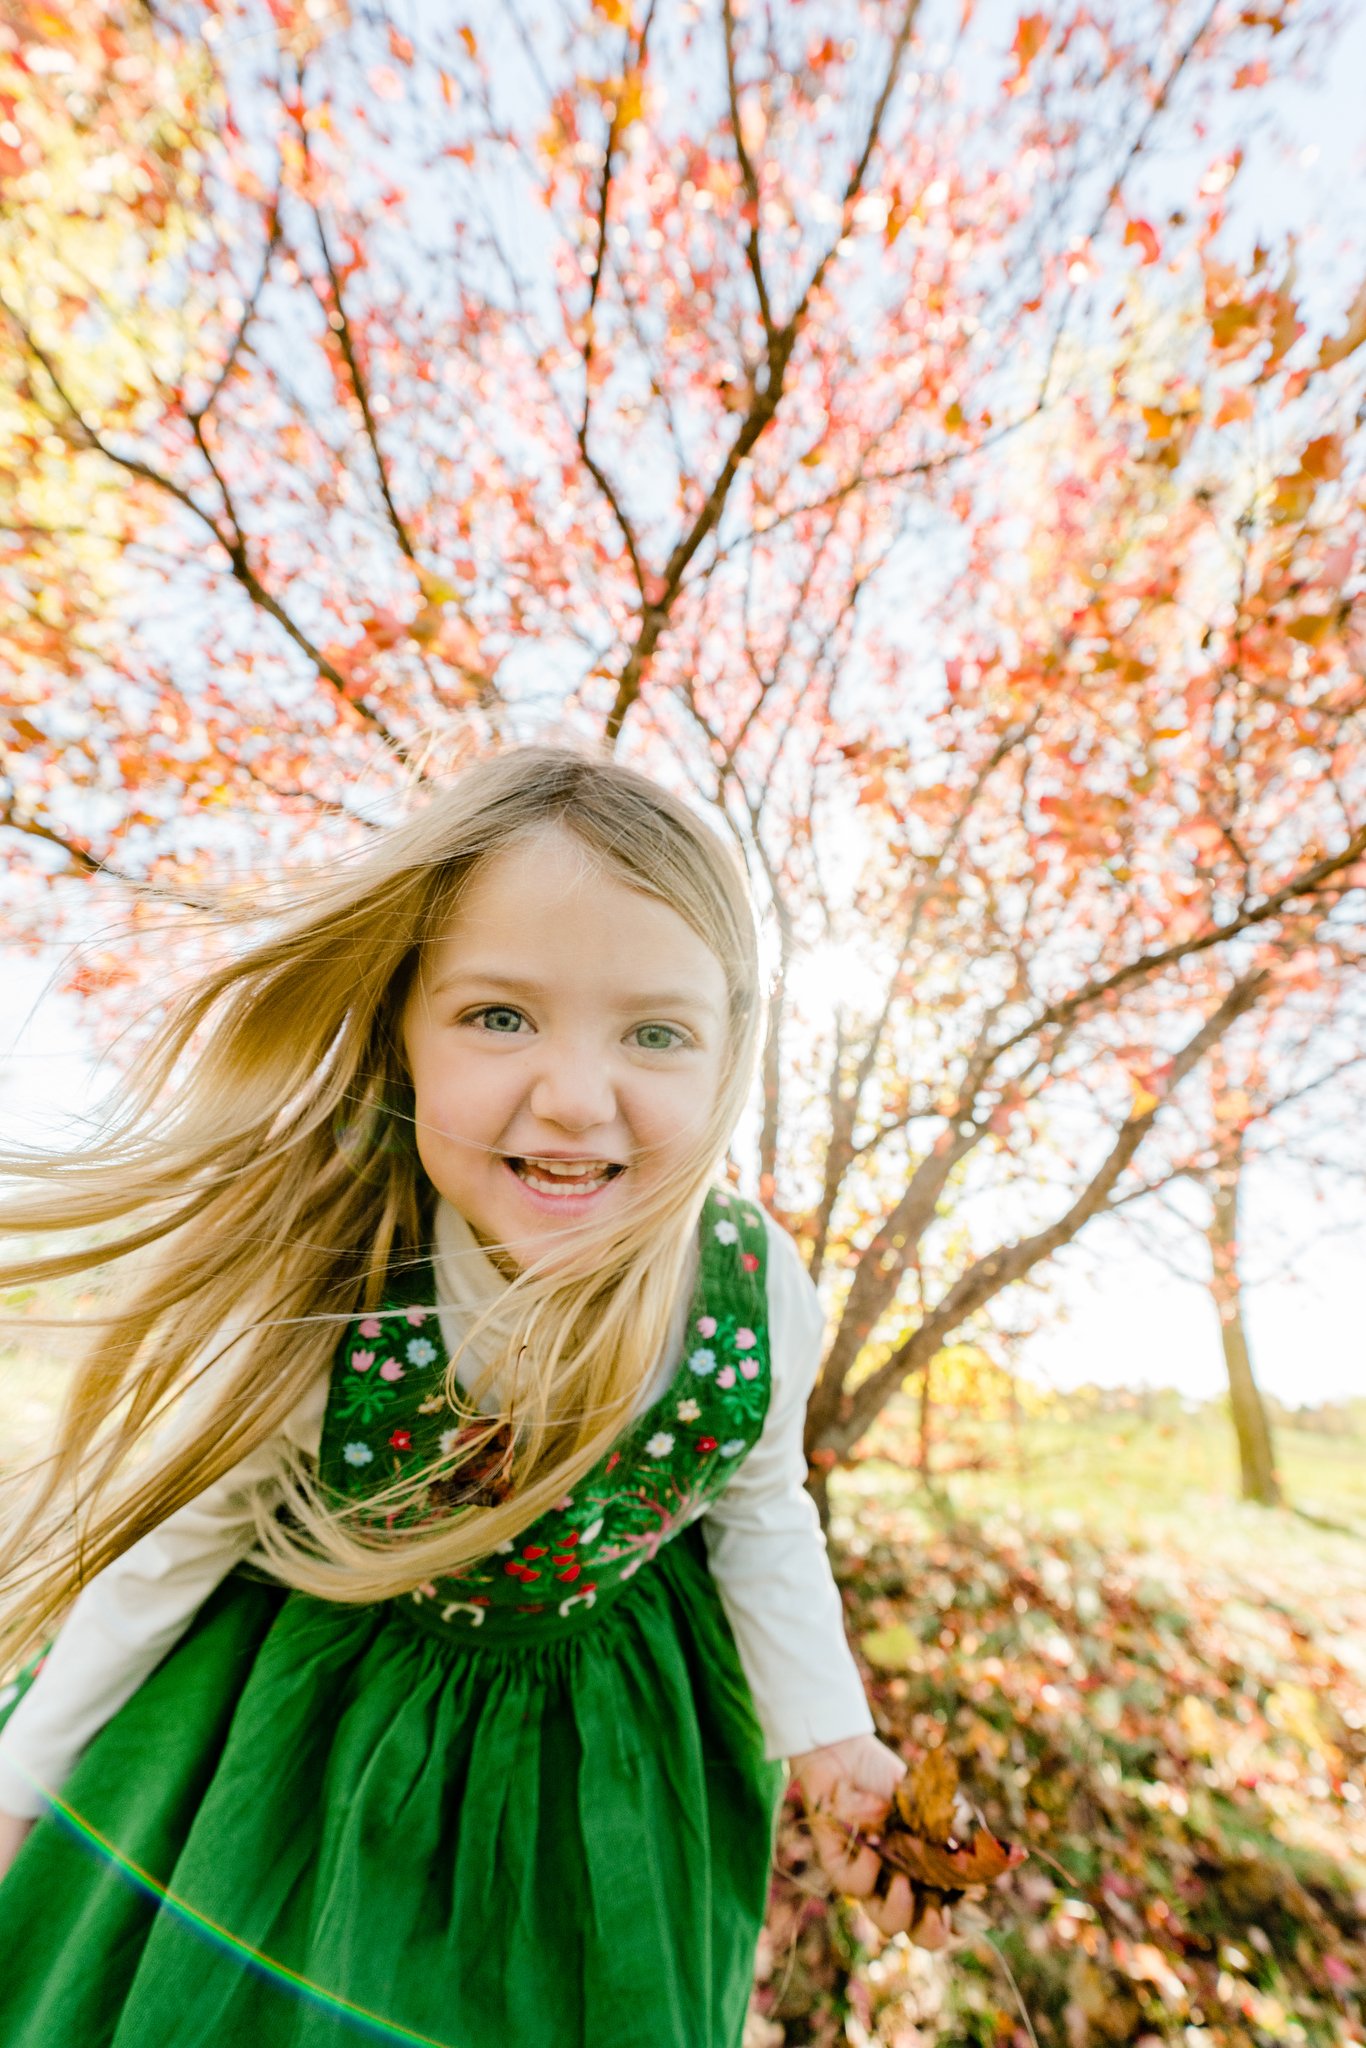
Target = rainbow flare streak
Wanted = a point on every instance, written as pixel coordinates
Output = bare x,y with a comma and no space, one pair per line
181,1909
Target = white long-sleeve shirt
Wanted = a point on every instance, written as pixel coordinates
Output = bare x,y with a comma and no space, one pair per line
763,1539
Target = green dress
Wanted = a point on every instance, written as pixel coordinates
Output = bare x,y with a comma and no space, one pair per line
527,1807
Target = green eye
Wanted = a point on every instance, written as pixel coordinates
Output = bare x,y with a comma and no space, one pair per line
672,1036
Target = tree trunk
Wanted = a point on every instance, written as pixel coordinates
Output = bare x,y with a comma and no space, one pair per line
1256,1456
926,1451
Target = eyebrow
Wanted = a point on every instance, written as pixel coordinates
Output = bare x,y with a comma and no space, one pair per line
632,999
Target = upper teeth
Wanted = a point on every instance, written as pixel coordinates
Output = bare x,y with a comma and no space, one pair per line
567,1169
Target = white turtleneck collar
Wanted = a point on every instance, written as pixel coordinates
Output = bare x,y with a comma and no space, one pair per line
467,1281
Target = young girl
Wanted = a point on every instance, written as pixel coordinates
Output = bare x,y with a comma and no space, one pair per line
428,1676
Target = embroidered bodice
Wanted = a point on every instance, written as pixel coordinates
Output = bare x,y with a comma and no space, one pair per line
387,1413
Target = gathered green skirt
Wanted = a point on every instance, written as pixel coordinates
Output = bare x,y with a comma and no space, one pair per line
316,1824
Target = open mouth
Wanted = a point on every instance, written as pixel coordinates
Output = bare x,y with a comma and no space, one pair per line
567,1179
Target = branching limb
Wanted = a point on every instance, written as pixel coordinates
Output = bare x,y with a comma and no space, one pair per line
988,1276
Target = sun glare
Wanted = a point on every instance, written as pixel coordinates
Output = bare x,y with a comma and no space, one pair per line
836,974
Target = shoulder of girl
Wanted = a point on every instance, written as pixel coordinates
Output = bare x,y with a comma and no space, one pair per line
786,1266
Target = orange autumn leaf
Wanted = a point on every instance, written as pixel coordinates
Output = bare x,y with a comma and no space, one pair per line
936,1839
1337,348
1144,235
1311,629
1233,405
1323,457
1030,36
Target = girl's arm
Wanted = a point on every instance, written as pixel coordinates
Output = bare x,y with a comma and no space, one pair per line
769,1561
766,1550
124,1621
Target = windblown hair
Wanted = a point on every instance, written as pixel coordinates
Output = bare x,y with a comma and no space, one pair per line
261,1171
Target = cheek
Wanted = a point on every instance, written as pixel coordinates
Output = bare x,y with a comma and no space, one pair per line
678,1108
436,1080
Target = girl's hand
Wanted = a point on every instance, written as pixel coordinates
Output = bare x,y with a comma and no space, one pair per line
848,1785
13,1834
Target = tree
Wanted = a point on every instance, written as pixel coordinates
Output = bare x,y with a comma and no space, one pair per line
1256,1458
1279,1103
827,406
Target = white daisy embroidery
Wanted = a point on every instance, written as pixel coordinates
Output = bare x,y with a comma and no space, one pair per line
660,1444
447,1441
357,1454
725,1232
421,1351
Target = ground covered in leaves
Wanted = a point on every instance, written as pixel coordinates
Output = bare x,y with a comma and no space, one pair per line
1175,1726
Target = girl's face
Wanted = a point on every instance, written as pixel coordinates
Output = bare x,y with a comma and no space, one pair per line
565,1039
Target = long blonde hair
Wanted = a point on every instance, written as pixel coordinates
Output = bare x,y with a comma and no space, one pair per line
261,1153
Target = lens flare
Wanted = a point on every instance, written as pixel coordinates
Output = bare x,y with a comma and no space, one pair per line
142,1880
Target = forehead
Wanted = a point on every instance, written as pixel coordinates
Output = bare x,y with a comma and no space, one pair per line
548,911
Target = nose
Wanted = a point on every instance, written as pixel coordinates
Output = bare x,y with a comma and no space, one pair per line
573,1089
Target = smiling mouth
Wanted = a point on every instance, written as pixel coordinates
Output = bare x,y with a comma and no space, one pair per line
565,1179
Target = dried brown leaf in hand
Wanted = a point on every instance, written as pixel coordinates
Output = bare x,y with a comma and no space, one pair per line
937,1840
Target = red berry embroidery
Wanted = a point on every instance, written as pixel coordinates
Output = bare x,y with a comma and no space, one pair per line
570,1572
534,1550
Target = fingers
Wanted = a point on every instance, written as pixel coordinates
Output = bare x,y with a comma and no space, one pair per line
900,1912
893,1913
932,1930
852,1868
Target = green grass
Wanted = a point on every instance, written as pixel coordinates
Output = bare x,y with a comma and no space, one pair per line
1168,1478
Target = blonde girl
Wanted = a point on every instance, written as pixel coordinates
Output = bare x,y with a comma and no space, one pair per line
435,1592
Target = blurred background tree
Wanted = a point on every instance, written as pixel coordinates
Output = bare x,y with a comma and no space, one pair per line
882,419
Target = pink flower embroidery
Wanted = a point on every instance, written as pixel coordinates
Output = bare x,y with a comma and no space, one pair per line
370,1327
745,1340
726,1376
750,1261
749,1368
361,1361
391,1370
416,1316
706,1326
